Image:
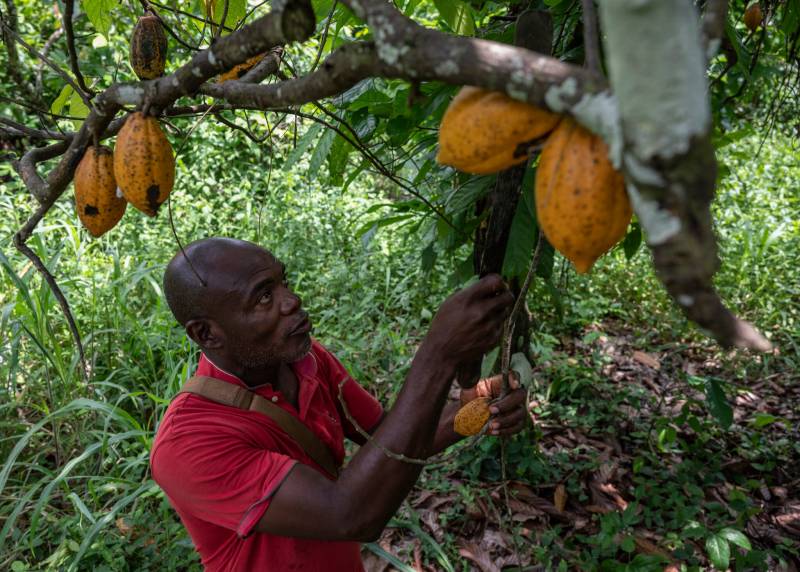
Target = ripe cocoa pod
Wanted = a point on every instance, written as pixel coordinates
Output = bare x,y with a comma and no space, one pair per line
471,418
753,16
238,71
143,163
99,207
485,132
148,47
581,203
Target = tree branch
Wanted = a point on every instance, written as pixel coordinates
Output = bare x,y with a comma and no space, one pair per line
668,158
591,40
69,8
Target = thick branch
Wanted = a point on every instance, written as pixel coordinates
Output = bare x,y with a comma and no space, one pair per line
658,74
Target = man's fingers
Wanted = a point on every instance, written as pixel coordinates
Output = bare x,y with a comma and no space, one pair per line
511,402
487,287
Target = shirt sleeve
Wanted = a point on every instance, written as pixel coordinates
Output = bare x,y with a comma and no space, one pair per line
361,405
220,478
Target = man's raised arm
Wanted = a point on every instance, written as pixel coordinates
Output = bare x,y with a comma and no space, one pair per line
358,505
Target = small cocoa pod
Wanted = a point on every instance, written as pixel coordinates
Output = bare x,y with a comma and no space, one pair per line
471,418
148,47
753,16
99,207
143,163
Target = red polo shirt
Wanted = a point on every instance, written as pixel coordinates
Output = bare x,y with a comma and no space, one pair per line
219,466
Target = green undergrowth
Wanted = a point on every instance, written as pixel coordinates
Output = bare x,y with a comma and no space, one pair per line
74,483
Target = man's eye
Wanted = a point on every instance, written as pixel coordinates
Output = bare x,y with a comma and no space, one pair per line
266,298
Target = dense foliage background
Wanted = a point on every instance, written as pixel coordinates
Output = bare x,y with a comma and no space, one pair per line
651,448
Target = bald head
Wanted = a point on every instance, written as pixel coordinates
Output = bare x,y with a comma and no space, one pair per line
187,296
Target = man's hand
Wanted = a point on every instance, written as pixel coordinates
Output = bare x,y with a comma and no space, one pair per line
509,414
470,322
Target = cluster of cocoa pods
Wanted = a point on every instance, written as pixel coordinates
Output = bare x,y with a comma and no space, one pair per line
140,170
581,203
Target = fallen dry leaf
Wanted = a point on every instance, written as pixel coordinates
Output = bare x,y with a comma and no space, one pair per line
646,359
560,497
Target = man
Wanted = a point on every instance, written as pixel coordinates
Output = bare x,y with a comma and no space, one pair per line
249,495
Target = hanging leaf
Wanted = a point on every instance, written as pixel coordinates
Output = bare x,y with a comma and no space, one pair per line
302,146
337,160
322,150
63,98
99,13
236,11
524,233
458,15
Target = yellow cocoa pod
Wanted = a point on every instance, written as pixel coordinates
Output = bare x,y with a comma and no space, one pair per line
485,132
143,163
99,207
753,17
471,418
148,47
581,203
238,71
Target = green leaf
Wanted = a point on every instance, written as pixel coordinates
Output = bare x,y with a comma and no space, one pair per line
77,108
718,404
337,161
735,537
99,13
521,365
458,16
719,552
633,240
522,238
302,146
764,419
58,105
628,544
236,11
322,150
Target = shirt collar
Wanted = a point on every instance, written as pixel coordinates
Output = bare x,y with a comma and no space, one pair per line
305,367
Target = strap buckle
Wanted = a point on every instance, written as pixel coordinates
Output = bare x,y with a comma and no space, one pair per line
243,398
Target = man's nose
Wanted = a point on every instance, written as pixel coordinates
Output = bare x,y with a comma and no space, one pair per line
291,303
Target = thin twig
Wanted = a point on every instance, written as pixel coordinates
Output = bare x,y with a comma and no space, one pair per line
218,32
69,9
324,36
508,327
66,77
591,39
436,460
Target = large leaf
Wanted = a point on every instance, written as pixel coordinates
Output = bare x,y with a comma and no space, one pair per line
302,146
236,11
63,98
99,13
458,15
735,537
322,150
719,552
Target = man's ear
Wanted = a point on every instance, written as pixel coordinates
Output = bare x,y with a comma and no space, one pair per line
206,333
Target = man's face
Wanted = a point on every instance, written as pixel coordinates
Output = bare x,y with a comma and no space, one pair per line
262,318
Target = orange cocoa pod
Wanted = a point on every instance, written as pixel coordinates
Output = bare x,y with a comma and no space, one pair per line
99,207
471,418
485,132
581,203
143,163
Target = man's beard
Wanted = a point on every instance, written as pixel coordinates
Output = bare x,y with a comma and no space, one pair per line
253,357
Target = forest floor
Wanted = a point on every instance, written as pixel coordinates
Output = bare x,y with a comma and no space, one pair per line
626,445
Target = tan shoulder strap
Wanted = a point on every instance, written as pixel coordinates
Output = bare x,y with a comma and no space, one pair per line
236,396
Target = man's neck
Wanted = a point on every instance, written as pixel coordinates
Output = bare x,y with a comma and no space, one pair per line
280,376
